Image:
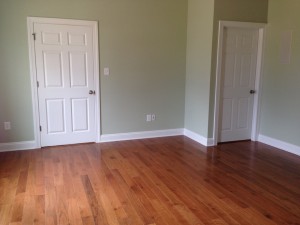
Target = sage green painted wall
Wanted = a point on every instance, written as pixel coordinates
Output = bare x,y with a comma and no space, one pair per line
202,36
198,65
232,10
143,42
280,113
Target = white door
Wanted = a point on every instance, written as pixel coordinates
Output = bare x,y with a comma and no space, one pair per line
240,49
65,75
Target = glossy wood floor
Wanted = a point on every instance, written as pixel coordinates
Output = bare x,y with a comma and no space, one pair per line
155,181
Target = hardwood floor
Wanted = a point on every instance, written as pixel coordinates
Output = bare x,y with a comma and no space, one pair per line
155,181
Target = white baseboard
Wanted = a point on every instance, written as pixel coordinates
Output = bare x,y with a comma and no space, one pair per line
13,146
210,142
279,144
140,135
198,138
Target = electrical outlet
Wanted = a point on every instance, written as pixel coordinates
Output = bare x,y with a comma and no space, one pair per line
7,126
153,117
148,118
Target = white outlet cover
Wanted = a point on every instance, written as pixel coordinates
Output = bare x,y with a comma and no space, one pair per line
153,117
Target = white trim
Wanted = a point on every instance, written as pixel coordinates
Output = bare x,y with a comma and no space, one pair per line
258,84
97,81
198,138
256,103
34,93
120,137
140,135
29,145
13,146
30,29
279,144
210,142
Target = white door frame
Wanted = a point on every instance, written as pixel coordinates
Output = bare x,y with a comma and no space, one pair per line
256,104
33,75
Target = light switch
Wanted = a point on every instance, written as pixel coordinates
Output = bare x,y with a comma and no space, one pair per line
148,118
7,126
106,71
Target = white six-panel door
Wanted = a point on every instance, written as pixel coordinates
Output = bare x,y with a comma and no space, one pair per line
240,48
65,75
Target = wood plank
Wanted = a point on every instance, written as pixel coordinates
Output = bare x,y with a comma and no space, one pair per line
161,181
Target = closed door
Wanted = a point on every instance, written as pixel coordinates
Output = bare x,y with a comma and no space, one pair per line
238,74
65,75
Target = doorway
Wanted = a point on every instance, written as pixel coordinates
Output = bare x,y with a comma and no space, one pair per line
237,82
65,80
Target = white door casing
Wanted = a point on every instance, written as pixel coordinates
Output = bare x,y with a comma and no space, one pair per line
65,61
238,72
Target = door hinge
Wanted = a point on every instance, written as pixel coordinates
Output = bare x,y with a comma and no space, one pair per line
37,84
34,36
40,128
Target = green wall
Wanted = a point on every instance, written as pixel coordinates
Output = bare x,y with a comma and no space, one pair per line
232,10
198,65
281,82
143,42
162,58
202,41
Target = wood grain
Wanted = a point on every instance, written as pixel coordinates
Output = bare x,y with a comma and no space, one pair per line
161,181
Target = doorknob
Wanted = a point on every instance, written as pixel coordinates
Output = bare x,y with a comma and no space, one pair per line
252,92
91,92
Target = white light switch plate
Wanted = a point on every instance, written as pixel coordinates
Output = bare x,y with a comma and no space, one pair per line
106,71
148,117
7,126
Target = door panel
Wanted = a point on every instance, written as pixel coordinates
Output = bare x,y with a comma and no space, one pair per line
243,108
51,38
78,39
65,72
227,114
229,69
78,69
80,115
53,69
55,114
240,47
245,77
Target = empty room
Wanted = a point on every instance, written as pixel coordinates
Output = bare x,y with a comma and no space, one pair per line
154,112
